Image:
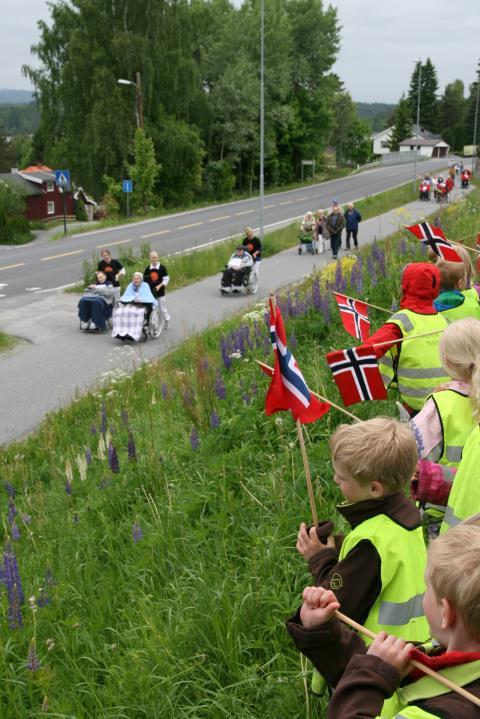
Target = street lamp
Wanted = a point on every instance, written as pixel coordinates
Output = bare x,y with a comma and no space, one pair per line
139,100
474,152
417,131
262,115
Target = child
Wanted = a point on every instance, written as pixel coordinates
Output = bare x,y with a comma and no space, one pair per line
377,574
464,498
471,290
369,683
452,302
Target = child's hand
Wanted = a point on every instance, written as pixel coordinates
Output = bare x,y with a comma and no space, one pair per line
392,650
319,606
308,542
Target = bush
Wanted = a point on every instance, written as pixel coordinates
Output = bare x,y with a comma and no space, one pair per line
219,180
14,227
80,211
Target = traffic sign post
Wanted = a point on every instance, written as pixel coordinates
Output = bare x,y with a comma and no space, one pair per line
127,186
62,180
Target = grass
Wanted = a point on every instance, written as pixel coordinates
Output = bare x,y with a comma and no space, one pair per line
6,342
157,518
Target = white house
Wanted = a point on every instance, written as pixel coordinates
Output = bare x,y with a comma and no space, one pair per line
380,141
427,147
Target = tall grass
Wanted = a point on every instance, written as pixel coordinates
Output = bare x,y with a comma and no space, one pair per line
154,524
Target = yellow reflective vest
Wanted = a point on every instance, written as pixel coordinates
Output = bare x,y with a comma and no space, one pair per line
414,366
470,307
464,499
456,418
398,608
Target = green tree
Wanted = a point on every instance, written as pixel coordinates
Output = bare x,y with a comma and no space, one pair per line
453,115
7,154
14,227
351,134
429,104
402,128
144,172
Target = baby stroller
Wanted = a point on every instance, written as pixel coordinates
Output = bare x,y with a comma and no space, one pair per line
240,273
136,321
424,190
307,243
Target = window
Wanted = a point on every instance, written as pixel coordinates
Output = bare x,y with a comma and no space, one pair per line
50,208
384,143
50,186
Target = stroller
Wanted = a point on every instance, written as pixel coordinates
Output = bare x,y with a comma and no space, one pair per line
240,272
307,243
137,322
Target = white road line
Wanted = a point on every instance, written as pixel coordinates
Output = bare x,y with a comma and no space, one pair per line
217,219
187,227
63,254
267,207
118,242
287,202
245,212
32,289
2,296
52,289
300,199
154,234
2,285
12,267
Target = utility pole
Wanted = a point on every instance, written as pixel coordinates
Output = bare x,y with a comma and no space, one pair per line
138,97
417,131
262,114
474,152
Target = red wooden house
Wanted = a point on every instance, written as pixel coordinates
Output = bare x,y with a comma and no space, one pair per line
44,200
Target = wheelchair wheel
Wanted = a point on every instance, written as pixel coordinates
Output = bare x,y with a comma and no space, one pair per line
155,324
252,286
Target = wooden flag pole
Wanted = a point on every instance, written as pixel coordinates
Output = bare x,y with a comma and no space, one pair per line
376,307
426,670
308,477
452,242
404,339
269,370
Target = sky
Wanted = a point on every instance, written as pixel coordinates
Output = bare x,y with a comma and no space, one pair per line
380,38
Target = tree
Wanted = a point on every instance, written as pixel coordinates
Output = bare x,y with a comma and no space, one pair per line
429,105
144,171
453,114
14,228
402,128
7,154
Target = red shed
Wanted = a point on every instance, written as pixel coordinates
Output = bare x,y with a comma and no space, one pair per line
44,199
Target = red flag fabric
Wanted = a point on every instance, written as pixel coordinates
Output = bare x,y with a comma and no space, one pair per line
354,314
288,390
356,374
433,237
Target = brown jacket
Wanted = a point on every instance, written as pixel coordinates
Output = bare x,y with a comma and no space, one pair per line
363,682
356,580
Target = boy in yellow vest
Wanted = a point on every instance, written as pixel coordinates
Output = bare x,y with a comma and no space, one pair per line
452,303
377,574
378,682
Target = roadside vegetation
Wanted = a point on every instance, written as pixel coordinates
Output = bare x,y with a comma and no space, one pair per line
149,556
6,341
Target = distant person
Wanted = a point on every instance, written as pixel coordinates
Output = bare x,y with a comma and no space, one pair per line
335,225
352,220
113,269
156,276
321,230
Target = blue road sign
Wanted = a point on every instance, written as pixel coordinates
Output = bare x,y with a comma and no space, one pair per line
62,178
127,186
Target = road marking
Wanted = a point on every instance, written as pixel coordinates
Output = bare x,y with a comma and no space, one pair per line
186,227
2,285
51,289
217,219
64,254
245,212
2,296
268,207
32,289
301,199
118,242
154,234
288,202
12,267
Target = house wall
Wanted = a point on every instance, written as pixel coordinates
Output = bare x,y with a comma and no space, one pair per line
37,205
378,141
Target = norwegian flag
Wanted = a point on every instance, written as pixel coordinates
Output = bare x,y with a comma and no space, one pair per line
288,390
356,374
433,237
354,314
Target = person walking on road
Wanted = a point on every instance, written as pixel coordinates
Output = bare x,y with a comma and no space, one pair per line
156,276
335,225
352,220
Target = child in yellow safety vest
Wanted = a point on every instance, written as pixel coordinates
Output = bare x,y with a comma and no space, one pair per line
442,427
453,302
378,682
377,572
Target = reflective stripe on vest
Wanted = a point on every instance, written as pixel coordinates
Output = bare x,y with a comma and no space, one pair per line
464,499
418,369
397,609
453,454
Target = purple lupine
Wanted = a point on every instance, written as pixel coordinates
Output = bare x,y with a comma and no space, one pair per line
253,389
10,489
189,396
137,533
103,424
316,294
204,364
267,346
124,417
220,389
93,429
88,456
402,247
11,511
11,579
224,351
371,271
68,487
214,420
325,308
50,580
15,532
194,439
338,276
131,450
246,398
164,390
394,307
43,600
292,342
380,258
113,462
359,277
33,663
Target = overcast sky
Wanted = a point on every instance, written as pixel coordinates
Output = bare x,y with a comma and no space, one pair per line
379,40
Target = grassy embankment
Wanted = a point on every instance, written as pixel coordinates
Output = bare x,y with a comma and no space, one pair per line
154,522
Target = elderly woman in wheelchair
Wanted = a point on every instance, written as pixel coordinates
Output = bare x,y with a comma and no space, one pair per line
136,317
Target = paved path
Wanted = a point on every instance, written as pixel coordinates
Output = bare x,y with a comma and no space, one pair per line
59,361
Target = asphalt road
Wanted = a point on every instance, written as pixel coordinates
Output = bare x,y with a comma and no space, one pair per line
33,270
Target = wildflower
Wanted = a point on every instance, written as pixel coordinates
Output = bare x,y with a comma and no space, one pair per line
214,420
11,580
225,353
246,398
11,511
15,532
154,399
132,452
325,308
26,519
394,306
113,462
33,663
124,416
50,644
194,439
88,456
68,470
316,293
137,533
93,429
10,489
220,389
101,448
338,276
403,246
82,466
103,425
68,487
164,391
371,271
293,340
359,277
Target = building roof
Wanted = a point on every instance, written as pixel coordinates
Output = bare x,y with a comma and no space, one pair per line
38,168
386,131
418,140
21,183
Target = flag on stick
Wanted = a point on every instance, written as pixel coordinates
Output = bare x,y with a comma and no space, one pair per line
288,390
354,314
356,374
433,237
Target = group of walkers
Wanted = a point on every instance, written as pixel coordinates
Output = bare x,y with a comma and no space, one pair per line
320,230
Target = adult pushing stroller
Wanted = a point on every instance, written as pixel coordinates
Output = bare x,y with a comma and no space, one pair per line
307,240
240,273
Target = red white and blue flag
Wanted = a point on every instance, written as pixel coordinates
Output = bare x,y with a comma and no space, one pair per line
356,374
288,389
433,237
354,314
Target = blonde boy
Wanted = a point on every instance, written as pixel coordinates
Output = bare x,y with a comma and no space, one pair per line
452,302
377,574
369,683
